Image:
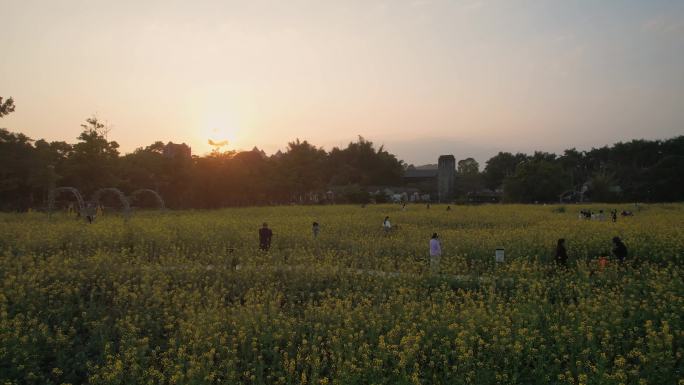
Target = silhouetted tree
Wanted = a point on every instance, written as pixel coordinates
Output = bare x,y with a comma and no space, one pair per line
301,169
638,170
602,187
499,167
93,163
6,107
360,163
469,178
468,166
536,180
16,156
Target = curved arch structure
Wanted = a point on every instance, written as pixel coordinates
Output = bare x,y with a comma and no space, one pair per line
52,196
160,202
122,198
570,195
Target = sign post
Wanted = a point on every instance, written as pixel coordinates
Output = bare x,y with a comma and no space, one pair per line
499,255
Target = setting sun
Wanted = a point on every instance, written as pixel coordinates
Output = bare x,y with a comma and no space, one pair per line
218,130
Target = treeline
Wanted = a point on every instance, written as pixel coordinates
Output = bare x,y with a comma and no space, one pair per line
29,168
639,170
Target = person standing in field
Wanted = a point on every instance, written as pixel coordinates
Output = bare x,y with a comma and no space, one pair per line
435,253
619,249
613,215
386,225
91,211
265,235
561,253
315,228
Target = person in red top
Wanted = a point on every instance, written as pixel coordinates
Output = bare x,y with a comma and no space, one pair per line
265,235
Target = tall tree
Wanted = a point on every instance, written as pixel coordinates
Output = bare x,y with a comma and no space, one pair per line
16,158
574,164
536,180
144,168
301,168
93,163
602,187
468,166
360,163
469,178
499,167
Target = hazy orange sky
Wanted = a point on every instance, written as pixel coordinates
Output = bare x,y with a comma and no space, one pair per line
423,77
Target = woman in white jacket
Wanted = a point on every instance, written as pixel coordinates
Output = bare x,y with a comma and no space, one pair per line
435,253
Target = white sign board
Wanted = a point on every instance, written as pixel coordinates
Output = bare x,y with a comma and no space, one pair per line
499,255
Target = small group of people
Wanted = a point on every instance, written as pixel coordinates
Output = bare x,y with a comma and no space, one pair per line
266,234
601,216
594,216
619,251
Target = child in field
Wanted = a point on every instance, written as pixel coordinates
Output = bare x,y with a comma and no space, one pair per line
386,225
265,235
561,253
315,228
90,213
435,253
619,249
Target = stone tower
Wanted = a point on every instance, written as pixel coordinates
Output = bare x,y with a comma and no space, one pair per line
446,178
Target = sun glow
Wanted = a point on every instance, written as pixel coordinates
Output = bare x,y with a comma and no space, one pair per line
220,131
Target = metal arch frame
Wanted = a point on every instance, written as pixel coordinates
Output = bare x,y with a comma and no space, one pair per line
571,192
95,199
52,196
160,200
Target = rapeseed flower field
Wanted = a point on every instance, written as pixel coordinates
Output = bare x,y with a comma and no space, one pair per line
187,298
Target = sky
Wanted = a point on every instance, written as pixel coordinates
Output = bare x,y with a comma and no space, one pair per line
422,77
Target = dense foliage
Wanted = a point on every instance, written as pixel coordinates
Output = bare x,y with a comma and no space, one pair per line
28,168
185,298
640,170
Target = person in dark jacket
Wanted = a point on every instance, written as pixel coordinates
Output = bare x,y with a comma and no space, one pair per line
561,253
619,249
315,228
265,235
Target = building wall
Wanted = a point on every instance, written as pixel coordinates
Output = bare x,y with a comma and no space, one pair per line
173,150
446,178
